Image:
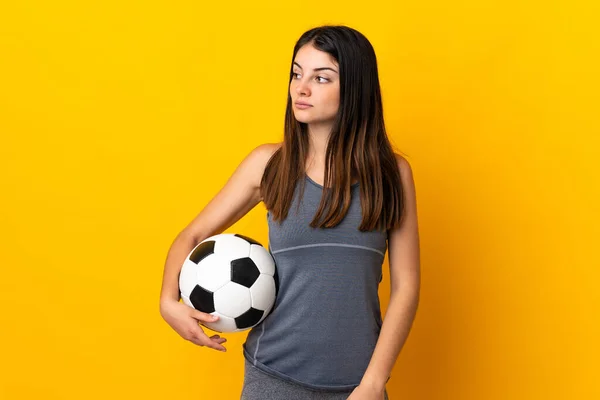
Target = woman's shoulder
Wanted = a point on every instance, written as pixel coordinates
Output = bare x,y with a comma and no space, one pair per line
261,155
400,160
268,149
403,164
265,151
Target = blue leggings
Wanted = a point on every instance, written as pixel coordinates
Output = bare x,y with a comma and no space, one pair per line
261,386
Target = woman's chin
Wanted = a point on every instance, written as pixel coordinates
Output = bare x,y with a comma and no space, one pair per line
302,119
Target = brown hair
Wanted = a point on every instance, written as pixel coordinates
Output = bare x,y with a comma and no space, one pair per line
358,145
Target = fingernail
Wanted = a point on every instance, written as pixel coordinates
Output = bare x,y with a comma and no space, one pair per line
214,317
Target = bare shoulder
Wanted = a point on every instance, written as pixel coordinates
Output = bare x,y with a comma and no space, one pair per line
263,154
404,166
267,150
257,161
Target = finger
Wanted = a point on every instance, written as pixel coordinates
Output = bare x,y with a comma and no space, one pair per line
215,346
218,339
201,339
199,315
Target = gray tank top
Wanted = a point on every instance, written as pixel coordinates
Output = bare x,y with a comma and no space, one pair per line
322,330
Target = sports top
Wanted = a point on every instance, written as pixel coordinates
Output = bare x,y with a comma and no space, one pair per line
322,330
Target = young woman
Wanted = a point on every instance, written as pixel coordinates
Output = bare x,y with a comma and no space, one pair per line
338,197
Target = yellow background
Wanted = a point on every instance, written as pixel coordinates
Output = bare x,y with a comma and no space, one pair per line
120,120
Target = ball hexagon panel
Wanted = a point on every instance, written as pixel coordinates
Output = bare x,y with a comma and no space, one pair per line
213,272
244,271
188,277
223,324
231,246
232,300
263,292
262,259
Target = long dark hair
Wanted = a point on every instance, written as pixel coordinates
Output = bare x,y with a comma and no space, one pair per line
358,144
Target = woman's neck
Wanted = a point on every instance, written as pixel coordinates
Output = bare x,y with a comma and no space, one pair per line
317,148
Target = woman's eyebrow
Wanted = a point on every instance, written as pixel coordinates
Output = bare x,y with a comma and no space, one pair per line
317,69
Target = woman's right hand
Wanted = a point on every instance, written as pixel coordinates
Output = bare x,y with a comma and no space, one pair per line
185,321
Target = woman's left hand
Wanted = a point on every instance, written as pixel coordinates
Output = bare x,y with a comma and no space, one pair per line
365,392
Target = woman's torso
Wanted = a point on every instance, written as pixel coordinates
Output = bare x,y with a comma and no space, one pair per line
326,319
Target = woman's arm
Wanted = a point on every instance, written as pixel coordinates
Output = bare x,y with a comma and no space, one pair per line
239,195
404,261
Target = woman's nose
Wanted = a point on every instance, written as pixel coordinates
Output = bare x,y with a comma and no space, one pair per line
302,88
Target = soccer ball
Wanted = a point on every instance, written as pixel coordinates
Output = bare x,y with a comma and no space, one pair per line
232,276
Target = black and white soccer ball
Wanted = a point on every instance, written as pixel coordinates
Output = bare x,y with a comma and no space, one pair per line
232,276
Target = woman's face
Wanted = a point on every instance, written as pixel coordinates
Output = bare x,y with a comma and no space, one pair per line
315,81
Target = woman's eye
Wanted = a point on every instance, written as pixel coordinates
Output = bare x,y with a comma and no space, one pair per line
295,75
